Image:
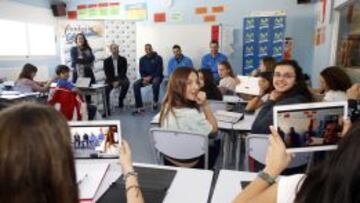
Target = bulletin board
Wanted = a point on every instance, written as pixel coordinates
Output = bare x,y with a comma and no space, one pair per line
194,40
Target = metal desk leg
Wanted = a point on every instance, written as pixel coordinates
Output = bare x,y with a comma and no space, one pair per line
103,97
238,151
225,150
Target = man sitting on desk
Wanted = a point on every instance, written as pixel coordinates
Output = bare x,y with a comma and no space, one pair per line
179,60
151,72
211,60
115,68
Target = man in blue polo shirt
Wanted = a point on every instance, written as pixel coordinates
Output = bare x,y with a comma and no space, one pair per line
179,60
211,60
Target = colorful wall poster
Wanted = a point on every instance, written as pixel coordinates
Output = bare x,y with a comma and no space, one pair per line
209,18
176,17
136,11
201,10
159,17
217,9
262,36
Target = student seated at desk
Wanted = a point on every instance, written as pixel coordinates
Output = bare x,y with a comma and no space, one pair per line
207,85
44,169
228,80
63,73
334,82
25,82
186,108
335,180
266,87
267,64
290,88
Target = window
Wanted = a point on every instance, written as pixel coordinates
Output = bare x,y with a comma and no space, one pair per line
22,39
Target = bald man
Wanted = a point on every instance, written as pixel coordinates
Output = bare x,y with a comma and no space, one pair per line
115,68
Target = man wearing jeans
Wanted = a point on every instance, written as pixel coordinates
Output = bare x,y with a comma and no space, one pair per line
151,72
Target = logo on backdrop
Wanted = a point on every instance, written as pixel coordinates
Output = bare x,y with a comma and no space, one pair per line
249,50
264,23
279,23
249,37
249,24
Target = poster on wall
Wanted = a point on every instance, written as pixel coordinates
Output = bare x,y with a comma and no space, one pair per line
109,10
262,36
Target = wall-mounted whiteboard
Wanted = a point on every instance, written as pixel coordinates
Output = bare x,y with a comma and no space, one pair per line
194,40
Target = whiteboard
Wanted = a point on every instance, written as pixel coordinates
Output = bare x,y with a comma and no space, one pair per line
194,40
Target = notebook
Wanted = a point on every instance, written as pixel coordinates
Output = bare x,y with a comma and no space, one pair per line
154,185
89,178
248,85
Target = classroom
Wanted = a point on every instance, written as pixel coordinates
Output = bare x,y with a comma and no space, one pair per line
206,101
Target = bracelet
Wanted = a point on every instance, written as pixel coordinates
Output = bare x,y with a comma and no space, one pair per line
267,178
133,187
131,173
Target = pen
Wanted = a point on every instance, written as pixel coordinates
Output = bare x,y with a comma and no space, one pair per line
82,179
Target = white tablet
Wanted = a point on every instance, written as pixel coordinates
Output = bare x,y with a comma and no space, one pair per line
311,126
95,139
248,85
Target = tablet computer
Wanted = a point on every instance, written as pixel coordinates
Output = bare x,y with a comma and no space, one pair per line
310,126
248,85
95,139
83,82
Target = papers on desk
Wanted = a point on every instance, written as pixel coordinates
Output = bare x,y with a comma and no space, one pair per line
89,177
10,92
228,117
248,85
233,99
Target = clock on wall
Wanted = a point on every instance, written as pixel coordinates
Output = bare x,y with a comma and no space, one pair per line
166,3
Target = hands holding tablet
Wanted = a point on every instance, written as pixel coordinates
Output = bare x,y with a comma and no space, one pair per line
277,159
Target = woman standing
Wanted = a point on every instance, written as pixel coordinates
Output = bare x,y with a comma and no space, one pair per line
82,59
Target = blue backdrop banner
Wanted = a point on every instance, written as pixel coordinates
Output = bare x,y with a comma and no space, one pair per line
263,36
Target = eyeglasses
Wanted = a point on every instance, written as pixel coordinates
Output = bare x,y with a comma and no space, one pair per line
285,75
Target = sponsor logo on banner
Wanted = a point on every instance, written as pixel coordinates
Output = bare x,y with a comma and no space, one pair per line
249,24
249,37
263,37
264,23
249,50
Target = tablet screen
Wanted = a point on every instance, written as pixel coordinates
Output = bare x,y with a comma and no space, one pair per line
310,129
90,139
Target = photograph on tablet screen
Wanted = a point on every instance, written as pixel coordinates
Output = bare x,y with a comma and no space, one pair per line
89,139
312,127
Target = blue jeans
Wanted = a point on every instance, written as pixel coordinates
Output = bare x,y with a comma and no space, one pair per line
155,82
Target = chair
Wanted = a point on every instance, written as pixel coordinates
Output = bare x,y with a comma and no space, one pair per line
179,144
256,147
72,106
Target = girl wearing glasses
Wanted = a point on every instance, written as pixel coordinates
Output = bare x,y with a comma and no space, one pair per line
289,88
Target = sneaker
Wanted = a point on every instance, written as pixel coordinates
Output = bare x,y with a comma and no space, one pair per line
138,111
155,106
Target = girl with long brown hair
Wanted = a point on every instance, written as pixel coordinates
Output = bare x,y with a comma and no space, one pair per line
186,108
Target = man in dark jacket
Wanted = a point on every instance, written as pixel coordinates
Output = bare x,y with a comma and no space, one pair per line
115,68
151,72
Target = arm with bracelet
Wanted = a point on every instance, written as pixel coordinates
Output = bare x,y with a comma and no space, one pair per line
132,187
264,187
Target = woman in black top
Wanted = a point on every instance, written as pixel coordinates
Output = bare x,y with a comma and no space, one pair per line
290,88
82,59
